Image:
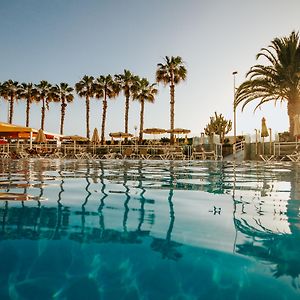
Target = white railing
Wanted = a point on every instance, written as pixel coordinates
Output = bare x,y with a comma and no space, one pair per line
283,148
239,146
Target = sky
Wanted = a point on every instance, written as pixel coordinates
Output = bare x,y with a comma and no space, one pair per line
63,40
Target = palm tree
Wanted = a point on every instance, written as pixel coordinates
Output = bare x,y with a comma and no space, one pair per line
10,90
62,93
279,80
85,88
44,95
105,87
143,91
171,73
29,93
126,81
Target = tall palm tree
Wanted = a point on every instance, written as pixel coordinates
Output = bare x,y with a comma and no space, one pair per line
126,81
279,80
10,91
85,88
29,93
105,87
44,95
171,72
144,91
64,94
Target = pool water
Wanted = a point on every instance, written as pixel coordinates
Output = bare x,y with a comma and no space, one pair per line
80,229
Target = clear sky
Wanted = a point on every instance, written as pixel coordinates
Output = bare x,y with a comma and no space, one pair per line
62,40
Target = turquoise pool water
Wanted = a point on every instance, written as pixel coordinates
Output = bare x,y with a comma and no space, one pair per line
118,229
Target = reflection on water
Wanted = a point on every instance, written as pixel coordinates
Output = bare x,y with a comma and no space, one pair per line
146,229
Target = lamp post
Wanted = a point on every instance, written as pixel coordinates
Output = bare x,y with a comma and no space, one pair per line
135,136
234,114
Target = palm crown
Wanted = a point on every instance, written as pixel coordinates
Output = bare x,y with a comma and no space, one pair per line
172,71
277,81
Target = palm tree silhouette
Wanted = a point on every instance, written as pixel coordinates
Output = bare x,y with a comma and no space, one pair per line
171,72
85,88
43,95
278,81
166,246
105,87
143,91
126,81
28,93
62,93
10,92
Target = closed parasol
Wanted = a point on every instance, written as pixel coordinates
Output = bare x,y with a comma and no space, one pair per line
264,130
186,140
41,137
264,133
95,137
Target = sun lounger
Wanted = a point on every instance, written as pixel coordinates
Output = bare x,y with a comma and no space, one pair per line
176,153
129,153
143,154
294,156
268,157
203,155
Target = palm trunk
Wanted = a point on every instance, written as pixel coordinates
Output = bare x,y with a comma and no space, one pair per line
63,113
293,110
103,119
141,121
27,111
172,111
87,103
11,109
43,114
126,112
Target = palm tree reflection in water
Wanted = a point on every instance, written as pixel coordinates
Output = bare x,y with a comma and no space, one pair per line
56,235
142,200
280,249
102,204
166,246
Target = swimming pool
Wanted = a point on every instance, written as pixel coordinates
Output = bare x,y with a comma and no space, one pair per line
79,229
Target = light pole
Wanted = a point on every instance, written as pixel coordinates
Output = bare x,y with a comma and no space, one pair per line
234,113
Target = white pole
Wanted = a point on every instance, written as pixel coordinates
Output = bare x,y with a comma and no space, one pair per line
270,129
234,113
30,141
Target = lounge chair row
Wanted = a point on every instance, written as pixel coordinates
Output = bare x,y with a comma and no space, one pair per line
127,153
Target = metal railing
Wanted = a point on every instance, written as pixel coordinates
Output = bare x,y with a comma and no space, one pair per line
71,150
238,146
284,148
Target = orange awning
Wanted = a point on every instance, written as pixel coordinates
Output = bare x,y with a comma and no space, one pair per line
5,128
